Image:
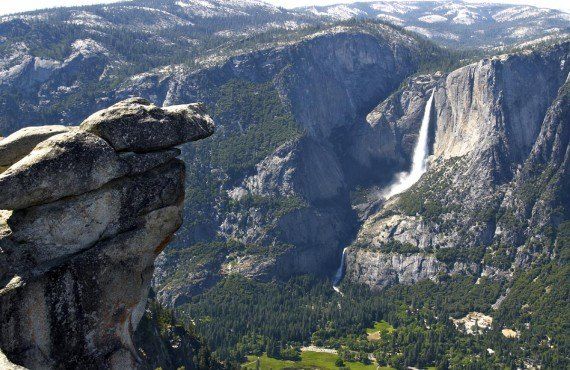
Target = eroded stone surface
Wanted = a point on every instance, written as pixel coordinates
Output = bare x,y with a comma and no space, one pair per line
20,143
81,229
66,164
70,225
137,125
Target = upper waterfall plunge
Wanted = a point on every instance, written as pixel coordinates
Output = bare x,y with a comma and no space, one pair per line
340,271
407,179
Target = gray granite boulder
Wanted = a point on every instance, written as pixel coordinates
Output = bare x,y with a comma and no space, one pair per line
82,219
20,143
80,313
66,164
72,224
70,164
137,125
141,162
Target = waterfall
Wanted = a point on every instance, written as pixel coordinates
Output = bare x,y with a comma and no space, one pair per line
339,272
407,179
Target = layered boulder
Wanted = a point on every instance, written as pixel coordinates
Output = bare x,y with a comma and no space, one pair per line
85,212
21,143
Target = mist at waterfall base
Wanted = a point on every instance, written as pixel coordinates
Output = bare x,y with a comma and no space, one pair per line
405,180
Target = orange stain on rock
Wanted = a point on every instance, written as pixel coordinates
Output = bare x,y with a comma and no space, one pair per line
162,245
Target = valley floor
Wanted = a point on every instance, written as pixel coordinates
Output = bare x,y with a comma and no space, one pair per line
309,360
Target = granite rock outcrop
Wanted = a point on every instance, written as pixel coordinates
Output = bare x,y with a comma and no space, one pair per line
86,210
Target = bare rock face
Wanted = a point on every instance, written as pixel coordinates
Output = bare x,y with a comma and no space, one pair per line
85,215
137,125
21,142
384,269
392,127
66,164
497,181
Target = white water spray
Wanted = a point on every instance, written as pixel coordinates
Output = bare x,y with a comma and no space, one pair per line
339,272
407,179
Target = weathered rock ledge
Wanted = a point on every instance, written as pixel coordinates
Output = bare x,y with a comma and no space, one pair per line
84,212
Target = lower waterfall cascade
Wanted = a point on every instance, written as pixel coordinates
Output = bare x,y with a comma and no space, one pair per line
339,272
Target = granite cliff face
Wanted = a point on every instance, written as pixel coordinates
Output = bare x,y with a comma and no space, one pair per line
290,198
292,136
314,122
86,210
495,191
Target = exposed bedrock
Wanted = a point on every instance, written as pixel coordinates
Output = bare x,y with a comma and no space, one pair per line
19,145
497,181
86,211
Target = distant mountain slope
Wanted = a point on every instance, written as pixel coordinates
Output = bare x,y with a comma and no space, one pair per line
284,102
315,117
457,23
200,16
58,65
278,173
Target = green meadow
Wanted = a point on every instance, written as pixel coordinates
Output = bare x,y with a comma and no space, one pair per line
309,360
380,326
